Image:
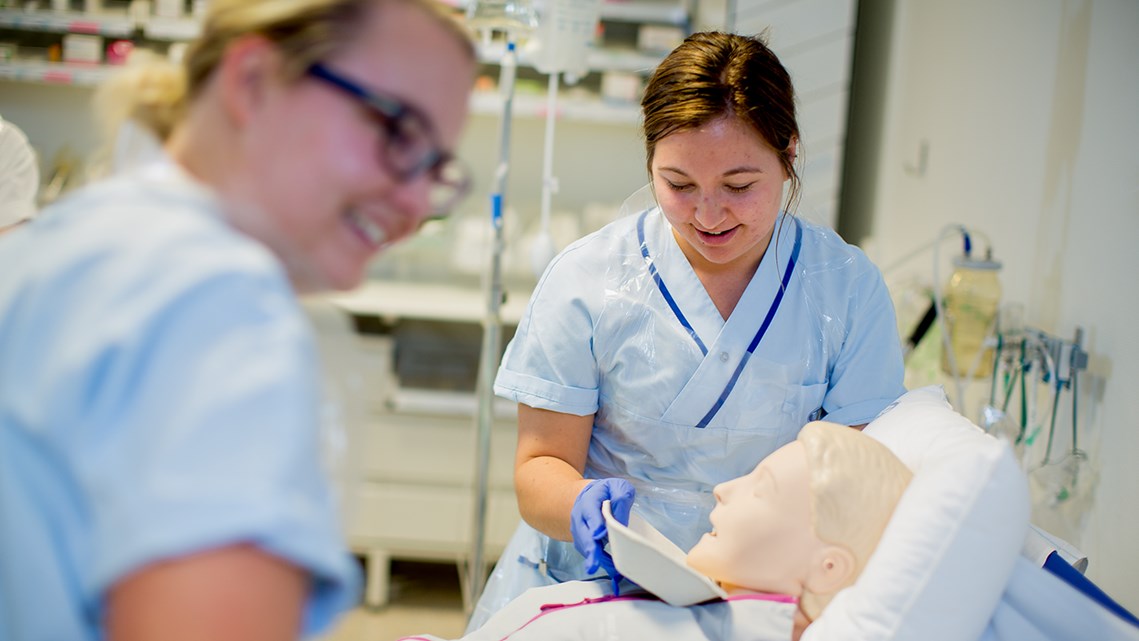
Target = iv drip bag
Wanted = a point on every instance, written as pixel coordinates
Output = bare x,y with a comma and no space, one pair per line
565,31
514,17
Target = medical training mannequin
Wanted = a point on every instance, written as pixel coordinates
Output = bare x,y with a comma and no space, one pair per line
803,524
161,473
806,520
19,177
670,350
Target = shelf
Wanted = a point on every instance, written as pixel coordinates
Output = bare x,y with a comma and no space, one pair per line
176,29
596,59
426,301
122,25
485,103
55,73
665,12
575,109
117,25
673,13
404,400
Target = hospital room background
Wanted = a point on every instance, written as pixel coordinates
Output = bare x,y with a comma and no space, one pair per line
1012,122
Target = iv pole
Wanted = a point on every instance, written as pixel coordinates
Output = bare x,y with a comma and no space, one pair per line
563,19
492,338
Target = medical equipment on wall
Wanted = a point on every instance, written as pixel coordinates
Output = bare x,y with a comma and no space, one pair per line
1028,360
967,309
565,29
514,20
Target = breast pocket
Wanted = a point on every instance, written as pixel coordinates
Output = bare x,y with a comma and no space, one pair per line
765,399
804,403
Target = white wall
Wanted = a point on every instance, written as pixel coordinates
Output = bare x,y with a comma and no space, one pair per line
1029,109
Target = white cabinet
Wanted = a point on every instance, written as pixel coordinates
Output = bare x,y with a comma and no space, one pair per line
408,367
415,498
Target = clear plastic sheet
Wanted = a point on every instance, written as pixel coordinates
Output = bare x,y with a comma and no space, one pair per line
685,404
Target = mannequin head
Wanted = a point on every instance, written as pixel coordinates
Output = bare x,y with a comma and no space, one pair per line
807,518
19,177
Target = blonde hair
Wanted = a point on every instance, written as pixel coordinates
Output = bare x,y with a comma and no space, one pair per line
305,31
147,90
855,483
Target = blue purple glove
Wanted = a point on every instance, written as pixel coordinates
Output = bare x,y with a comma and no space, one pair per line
588,525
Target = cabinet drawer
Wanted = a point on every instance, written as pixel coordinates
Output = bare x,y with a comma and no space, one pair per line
438,450
416,518
376,369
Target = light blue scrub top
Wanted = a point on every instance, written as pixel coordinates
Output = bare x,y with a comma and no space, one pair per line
621,327
158,397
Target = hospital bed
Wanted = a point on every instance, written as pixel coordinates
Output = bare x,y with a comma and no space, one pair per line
958,562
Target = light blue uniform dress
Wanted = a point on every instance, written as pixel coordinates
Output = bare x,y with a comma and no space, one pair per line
620,327
158,397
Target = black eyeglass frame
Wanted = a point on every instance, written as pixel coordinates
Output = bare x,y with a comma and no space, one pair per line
392,112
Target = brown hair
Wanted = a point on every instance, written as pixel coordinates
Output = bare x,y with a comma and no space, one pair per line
713,74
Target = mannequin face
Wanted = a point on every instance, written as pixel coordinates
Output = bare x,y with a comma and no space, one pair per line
762,538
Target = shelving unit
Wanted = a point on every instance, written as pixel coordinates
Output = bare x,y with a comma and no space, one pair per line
674,13
162,30
110,24
592,110
104,24
412,360
58,73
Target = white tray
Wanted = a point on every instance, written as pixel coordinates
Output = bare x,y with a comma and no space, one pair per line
646,557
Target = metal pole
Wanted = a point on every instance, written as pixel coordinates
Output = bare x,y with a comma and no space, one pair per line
492,341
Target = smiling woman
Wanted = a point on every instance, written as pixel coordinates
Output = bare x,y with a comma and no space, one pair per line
159,439
674,348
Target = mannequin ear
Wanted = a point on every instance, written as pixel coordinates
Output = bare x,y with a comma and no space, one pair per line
832,569
245,72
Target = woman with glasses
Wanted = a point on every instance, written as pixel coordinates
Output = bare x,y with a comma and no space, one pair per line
674,348
160,469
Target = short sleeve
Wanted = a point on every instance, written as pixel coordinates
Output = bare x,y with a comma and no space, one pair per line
550,363
200,430
868,373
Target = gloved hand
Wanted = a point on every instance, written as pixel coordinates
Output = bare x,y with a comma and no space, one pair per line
588,525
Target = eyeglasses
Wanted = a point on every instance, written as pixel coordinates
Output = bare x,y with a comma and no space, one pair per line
409,149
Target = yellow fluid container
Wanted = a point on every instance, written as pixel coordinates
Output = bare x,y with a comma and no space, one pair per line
972,299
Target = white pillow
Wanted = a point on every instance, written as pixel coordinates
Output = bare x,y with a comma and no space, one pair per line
950,547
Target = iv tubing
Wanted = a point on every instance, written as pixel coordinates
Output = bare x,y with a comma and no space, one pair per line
959,386
933,244
1054,375
996,367
1075,395
548,152
1052,422
544,250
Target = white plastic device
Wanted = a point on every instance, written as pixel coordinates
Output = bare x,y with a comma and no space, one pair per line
646,557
